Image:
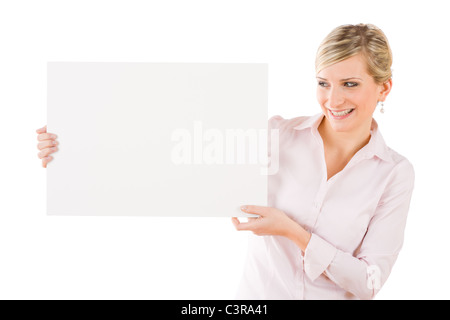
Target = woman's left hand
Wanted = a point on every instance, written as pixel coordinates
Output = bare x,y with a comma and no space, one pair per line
272,221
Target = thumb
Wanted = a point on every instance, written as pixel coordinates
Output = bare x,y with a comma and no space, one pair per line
42,130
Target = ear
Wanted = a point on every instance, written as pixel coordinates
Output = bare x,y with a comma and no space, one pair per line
385,88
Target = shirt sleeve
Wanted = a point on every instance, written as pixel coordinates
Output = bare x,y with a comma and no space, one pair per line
364,273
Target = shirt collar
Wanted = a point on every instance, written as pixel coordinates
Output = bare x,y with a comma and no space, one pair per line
375,147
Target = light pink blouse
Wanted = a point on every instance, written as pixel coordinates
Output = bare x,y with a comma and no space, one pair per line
357,219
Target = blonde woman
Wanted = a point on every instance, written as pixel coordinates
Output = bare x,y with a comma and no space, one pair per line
338,204
339,201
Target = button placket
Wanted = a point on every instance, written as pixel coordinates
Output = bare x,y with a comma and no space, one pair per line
318,202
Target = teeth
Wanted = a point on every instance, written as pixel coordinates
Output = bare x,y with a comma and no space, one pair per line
341,113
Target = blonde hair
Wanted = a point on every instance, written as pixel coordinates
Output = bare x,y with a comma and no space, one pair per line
348,40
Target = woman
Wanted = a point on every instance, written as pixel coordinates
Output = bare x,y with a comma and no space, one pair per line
339,201
338,204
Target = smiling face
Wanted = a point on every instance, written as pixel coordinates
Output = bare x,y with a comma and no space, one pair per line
348,95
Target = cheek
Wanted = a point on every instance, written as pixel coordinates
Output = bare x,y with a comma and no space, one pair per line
364,100
320,95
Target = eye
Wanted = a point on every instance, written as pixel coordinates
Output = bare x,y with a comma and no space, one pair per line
350,84
322,84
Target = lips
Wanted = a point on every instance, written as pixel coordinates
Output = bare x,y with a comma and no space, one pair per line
340,114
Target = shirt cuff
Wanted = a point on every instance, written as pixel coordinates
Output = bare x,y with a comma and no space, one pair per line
318,256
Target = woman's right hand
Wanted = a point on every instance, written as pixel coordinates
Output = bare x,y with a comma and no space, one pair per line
47,144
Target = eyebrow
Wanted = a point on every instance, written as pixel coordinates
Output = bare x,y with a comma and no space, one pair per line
343,79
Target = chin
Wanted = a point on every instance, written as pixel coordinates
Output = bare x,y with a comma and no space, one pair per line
339,127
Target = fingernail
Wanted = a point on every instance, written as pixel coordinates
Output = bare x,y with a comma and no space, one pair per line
243,208
54,142
54,136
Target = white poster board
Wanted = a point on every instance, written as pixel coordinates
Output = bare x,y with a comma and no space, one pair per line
157,139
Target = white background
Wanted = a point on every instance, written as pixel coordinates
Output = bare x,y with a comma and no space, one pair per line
48,257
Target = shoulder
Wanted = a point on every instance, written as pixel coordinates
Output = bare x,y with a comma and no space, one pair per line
403,170
283,124
400,160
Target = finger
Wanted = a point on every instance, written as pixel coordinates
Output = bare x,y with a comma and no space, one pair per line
46,160
46,152
249,219
42,130
235,221
262,211
240,226
46,136
47,144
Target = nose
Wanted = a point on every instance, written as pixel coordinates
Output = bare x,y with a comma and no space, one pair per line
335,98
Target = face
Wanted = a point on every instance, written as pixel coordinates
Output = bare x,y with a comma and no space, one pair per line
348,95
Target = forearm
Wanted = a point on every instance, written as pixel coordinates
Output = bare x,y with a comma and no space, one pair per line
296,233
345,270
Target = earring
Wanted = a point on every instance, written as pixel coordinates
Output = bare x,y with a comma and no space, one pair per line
382,107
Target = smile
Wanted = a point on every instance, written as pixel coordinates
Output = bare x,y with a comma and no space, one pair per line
341,114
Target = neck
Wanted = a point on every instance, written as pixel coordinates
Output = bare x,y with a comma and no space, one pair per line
346,143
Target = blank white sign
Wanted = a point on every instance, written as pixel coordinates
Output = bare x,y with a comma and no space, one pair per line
157,139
